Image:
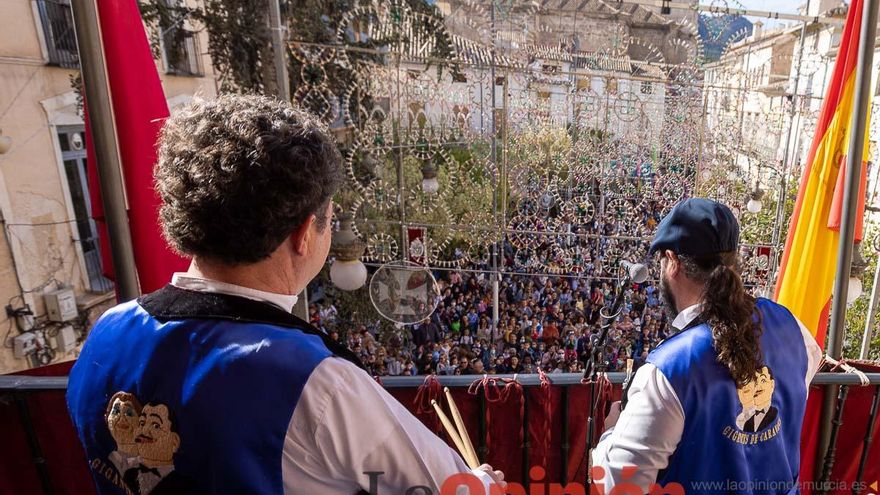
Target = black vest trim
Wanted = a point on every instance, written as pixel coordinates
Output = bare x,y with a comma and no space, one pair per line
173,303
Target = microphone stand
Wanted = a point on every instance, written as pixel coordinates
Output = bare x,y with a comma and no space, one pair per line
597,364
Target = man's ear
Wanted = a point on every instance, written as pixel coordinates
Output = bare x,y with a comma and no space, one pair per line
673,264
301,237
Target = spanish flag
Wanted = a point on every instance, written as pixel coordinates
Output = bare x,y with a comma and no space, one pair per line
809,262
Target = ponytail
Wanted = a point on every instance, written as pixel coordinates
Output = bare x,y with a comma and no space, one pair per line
730,312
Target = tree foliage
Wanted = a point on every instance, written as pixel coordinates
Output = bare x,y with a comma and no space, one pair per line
238,42
857,314
165,22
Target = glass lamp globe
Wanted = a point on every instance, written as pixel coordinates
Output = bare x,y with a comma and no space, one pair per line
430,185
854,291
348,275
754,205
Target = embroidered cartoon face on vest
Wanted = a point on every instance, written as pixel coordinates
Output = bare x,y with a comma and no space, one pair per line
764,387
146,441
756,398
157,438
123,411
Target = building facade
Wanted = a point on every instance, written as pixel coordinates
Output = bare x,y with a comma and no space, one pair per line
48,252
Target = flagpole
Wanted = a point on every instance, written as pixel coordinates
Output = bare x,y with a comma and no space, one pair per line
279,50
103,130
278,30
854,156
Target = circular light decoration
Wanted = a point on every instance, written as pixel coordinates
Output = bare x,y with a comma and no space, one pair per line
404,292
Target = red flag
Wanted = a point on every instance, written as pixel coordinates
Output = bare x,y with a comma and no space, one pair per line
140,110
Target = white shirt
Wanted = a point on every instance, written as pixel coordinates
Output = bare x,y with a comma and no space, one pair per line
184,281
346,425
650,427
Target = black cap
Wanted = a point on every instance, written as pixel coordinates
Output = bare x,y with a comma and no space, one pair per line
697,227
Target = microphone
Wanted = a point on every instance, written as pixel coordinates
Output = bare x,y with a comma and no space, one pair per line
638,272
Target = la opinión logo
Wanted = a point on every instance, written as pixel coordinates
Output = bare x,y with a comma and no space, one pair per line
536,486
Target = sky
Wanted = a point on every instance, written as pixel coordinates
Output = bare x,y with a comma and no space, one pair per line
786,6
783,6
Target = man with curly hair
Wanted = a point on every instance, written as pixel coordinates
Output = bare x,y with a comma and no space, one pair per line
263,402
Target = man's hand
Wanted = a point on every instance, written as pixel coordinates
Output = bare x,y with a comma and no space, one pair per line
497,476
613,415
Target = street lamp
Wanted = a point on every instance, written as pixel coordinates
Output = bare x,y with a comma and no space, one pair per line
856,270
429,178
754,205
347,271
372,166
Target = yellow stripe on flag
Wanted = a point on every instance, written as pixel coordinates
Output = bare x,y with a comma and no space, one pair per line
806,287
806,283
809,262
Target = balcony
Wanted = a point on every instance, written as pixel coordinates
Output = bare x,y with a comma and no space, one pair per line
56,21
514,426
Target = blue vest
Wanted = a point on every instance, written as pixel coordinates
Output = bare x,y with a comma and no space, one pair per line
744,440
187,392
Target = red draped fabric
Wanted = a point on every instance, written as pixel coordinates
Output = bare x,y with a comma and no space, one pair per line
64,457
140,110
504,410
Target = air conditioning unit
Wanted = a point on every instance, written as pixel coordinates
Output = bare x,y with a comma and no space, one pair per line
61,305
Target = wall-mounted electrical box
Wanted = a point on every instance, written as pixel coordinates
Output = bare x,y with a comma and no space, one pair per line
65,341
61,305
24,344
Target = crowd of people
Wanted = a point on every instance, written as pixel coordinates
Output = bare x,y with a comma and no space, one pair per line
544,323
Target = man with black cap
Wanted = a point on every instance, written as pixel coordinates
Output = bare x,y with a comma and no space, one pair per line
718,406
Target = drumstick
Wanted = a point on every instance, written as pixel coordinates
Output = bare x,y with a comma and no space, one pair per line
462,431
450,430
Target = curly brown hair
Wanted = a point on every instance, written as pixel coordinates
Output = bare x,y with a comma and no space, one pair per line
730,312
239,173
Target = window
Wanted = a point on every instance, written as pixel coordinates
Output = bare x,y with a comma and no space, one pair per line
181,52
71,140
180,46
56,20
611,85
646,88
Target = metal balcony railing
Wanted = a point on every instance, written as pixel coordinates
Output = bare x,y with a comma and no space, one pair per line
20,391
56,20
94,270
